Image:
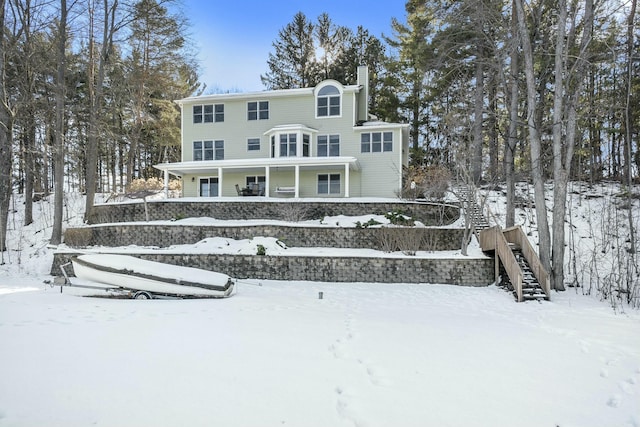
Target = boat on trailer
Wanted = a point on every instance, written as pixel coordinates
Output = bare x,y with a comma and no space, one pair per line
144,279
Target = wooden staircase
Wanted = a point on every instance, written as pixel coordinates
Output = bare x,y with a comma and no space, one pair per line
521,269
467,196
518,267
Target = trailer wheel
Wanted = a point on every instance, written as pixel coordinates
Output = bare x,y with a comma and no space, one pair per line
142,295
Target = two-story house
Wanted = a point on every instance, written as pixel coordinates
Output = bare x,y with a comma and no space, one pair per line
310,142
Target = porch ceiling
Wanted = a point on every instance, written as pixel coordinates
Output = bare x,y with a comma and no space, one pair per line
246,165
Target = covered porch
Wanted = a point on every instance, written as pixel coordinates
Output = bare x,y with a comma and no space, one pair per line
268,177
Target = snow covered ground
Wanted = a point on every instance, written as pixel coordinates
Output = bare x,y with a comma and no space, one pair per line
276,354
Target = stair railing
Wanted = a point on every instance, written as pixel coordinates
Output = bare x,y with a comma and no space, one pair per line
516,236
493,239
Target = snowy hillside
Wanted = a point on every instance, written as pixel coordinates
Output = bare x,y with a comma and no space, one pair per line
364,355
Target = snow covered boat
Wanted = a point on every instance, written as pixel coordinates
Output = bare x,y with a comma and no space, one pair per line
148,279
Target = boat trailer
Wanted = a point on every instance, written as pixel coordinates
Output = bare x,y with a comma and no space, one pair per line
116,291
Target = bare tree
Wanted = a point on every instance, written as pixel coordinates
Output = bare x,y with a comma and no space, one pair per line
6,139
569,76
512,138
535,143
96,87
58,151
564,137
628,122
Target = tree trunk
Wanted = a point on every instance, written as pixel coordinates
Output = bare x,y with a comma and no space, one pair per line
560,171
91,151
629,122
96,91
6,122
56,235
492,128
537,175
26,110
512,139
478,110
29,165
563,153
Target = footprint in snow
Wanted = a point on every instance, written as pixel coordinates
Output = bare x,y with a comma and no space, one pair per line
372,373
625,386
614,401
584,347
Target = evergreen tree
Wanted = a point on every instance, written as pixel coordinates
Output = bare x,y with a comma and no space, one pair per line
160,69
307,53
332,41
410,71
362,48
292,65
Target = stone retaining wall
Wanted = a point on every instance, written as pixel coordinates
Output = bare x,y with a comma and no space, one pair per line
427,213
391,269
164,235
454,271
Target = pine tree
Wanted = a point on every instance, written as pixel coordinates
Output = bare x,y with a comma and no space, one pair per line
411,69
292,65
160,70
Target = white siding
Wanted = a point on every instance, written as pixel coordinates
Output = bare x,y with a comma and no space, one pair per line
380,173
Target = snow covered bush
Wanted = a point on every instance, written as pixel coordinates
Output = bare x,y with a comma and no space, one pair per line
294,212
429,182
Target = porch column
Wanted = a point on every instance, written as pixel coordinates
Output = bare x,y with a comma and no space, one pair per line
346,180
297,181
267,172
219,182
166,183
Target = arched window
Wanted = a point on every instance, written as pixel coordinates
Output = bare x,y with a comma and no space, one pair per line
328,101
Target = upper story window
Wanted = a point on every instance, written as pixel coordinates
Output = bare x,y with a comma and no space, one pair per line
219,150
288,144
306,144
291,141
208,113
258,110
376,142
253,144
328,145
328,101
219,113
208,150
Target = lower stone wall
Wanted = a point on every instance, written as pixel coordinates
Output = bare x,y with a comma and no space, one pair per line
428,213
454,271
164,235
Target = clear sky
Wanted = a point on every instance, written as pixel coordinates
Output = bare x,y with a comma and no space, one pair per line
234,37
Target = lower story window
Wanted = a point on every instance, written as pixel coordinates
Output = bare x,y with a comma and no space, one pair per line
209,187
329,183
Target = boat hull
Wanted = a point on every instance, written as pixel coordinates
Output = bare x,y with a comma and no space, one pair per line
133,273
